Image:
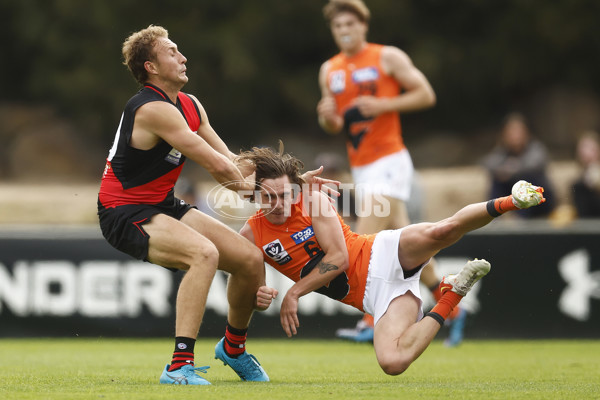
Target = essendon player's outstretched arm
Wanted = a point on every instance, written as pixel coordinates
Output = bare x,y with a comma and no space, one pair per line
160,120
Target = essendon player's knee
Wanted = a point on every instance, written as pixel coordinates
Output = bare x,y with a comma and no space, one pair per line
253,265
205,254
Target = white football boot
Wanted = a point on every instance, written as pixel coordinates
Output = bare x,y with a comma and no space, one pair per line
463,282
526,195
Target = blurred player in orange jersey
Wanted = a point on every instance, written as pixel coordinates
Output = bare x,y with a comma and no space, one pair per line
364,89
303,237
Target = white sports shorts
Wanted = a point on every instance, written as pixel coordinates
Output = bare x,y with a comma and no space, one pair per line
385,279
391,175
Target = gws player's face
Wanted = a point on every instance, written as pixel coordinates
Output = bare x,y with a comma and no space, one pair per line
276,197
349,32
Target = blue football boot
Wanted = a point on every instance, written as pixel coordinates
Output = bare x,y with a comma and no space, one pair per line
246,365
457,327
185,375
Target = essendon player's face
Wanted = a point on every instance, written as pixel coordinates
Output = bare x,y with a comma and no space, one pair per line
170,63
349,32
276,199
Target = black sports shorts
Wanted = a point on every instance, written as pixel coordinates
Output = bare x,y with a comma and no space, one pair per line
122,226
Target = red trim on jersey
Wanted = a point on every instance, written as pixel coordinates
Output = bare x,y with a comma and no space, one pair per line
157,91
112,193
189,109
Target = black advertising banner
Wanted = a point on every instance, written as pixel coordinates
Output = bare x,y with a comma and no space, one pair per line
544,283
541,285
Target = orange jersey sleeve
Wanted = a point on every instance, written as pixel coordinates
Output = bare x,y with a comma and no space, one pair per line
368,139
293,249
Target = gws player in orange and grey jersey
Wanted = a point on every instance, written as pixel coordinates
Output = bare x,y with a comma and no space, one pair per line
303,237
139,214
365,88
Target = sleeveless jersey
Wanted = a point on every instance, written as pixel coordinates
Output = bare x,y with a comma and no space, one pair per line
292,249
134,176
368,139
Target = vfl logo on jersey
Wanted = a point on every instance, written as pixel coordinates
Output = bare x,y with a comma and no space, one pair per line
365,75
303,235
337,81
276,251
174,156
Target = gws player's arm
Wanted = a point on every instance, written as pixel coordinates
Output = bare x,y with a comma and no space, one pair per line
329,235
417,93
329,118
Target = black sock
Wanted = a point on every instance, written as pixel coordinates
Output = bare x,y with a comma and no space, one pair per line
183,353
235,341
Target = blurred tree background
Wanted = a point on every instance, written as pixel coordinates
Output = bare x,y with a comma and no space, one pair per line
254,66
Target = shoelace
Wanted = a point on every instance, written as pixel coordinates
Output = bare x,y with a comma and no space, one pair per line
203,369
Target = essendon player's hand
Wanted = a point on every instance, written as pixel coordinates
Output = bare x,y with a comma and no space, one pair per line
264,297
245,166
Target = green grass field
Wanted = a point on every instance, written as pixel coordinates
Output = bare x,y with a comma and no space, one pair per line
80,368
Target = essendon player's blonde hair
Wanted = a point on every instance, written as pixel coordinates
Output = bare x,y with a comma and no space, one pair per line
139,48
270,164
356,7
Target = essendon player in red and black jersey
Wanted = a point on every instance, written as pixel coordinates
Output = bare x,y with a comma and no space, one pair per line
140,215
137,176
